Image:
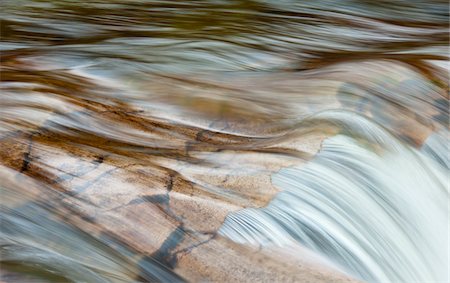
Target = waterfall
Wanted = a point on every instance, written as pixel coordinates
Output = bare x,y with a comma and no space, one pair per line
378,208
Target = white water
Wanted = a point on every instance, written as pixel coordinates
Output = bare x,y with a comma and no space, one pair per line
374,206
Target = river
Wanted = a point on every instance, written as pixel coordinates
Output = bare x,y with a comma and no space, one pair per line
224,141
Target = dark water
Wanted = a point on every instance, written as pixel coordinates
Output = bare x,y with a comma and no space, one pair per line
131,130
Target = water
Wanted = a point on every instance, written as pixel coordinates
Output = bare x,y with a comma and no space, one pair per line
146,140
364,209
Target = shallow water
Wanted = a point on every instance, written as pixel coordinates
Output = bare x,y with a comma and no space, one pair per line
224,141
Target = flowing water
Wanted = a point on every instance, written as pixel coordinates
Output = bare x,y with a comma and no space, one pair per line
224,141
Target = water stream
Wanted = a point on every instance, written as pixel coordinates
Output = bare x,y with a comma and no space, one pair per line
224,141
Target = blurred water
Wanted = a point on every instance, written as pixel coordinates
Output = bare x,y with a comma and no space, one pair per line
139,137
382,217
